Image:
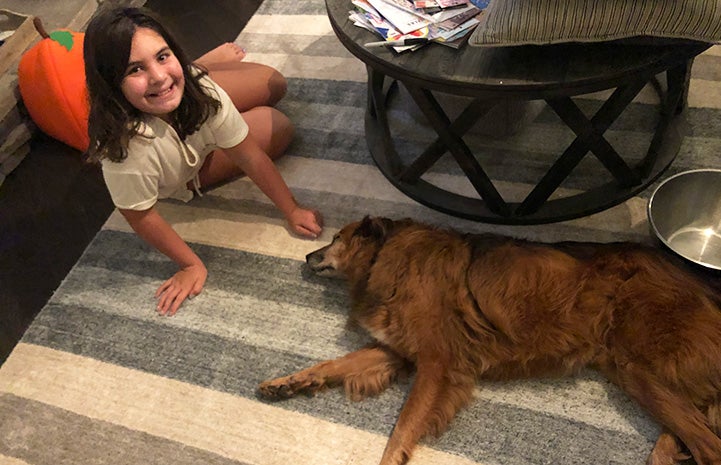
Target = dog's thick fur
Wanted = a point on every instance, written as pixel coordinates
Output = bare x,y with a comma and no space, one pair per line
463,308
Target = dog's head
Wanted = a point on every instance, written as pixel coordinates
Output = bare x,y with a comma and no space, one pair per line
352,250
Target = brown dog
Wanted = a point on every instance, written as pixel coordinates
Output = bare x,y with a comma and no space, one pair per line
463,308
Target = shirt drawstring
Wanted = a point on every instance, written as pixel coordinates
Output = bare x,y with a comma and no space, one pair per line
196,184
187,154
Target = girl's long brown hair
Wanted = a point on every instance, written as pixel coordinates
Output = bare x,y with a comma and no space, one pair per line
106,51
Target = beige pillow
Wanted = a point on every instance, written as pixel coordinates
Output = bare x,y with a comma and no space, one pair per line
541,22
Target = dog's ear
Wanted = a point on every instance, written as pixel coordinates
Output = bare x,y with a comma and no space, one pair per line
374,227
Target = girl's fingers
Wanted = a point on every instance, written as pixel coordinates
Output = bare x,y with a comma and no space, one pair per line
187,282
303,231
177,302
315,228
163,303
163,287
167,294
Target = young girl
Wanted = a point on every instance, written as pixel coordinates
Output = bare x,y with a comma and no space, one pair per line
163,127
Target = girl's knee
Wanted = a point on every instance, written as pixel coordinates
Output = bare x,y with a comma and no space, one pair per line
278,87
251,85
282,121
271,128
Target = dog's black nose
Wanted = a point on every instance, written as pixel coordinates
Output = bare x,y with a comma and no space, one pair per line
317,256
314,257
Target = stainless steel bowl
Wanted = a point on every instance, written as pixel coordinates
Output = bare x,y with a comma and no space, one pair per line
685,214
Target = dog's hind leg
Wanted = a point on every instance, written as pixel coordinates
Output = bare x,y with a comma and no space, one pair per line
435,398
667,451
674,412
363,373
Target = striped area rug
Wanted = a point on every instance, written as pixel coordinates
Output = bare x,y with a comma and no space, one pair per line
99,378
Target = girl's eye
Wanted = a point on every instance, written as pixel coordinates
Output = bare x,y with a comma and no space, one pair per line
132,70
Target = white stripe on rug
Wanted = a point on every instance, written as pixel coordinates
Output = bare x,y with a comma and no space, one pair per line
5,460
713,51
44,375
232,427
313,67
269,236
299,32
578,399
704,94
311,25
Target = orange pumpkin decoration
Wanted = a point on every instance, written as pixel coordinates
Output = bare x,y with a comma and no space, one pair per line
51,78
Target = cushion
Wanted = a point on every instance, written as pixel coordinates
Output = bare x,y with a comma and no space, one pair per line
542,22
51,80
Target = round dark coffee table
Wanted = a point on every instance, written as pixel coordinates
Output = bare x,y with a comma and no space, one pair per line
491,75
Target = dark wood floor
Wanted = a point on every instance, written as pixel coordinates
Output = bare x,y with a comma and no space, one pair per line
52,205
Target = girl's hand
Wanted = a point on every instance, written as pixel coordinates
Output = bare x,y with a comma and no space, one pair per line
188,282
308,223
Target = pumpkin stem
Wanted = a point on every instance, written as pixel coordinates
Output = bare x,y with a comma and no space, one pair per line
40,28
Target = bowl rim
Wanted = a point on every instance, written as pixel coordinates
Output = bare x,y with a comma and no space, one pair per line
656,232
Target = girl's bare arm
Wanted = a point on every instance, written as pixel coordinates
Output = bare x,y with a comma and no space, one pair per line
251,158
189,281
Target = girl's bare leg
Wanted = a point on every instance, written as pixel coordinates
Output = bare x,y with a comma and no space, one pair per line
249,85
269,127
254,88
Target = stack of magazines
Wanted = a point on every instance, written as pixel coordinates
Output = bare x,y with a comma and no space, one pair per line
418,22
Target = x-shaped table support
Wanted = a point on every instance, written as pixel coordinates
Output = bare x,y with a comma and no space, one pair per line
589,139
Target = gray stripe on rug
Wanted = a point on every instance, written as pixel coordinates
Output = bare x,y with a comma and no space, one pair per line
342,93
291,7
234,272
324,133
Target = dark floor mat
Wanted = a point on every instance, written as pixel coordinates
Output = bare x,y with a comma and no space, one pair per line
201,26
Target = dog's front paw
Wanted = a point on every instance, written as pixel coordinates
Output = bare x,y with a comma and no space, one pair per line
288,386
276,389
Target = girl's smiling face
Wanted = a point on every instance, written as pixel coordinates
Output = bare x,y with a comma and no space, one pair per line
154,79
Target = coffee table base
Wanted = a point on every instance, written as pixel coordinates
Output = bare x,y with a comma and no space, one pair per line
489,206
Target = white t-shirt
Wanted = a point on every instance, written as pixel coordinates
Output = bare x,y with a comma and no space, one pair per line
159,164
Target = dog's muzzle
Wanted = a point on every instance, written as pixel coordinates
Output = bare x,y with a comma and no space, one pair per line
317,262
315,258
